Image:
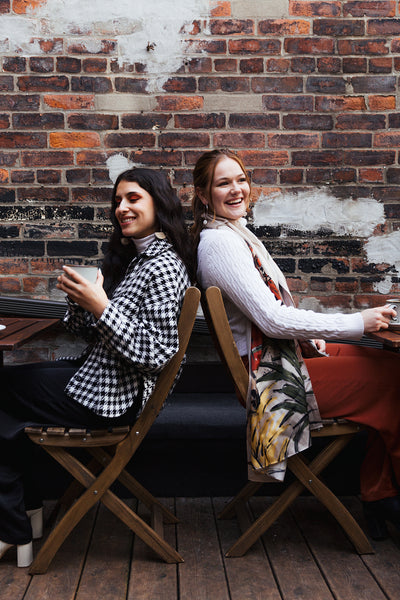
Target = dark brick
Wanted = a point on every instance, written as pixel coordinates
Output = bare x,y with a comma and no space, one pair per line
231,26
21,213
225,64
240,140
184,85
8,159
253,121
224,84
97,85
25,248
7,195
41,65
91,195
303,64
354,64
262,47
68,64
4,6
94,122
14,64
14,102
264,176
277,85
42,194
146,121
322,158
77,175
200,121
94,65
69,213
104,47
129,140
6,83
338,248
352,121
311,45
22,176
393,176
251,65
200,65
155,158
4,121
287,265
38,121
329,64
329,176
33,83
373,84
101,176
394,120
184,140
291,176
392,211
9,231
346,140
338,27
70,249
48,176
311,122
369,157
381,65
59,158
325,85
90,231
130,85
388,27
22,140
288,103
315,265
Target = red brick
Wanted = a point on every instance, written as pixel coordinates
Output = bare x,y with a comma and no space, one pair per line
380,65
68,139
251,65
303,64
48,176
175,103
293,176
50,46
371,175
339,103
184,85
369,157
387,27
387,140
329,64
170,158
254,46
346,140
225,64
277,65
22,176
309,46
68,64
14,266
41,64
92,121
70,101
346,285
106,47
90,158
362,47
288,103
4,6
277,85
253,121
220,8
354,64
4,176
16,102
4,121
38,120
382,102
200,65
311,8
14,64
321,284
224,84
330,176
206,46
338,27
352,121
21,7
94,65
260,158
322,158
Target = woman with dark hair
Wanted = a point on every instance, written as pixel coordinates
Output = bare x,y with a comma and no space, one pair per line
130,324
295,380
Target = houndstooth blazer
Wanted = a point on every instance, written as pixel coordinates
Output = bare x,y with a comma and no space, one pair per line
135,336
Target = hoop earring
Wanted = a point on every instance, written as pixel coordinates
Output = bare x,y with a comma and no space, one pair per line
125,241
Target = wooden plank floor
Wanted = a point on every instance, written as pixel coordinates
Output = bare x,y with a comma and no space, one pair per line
304,555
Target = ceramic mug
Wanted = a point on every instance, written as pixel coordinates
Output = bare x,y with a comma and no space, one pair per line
394,321
89,272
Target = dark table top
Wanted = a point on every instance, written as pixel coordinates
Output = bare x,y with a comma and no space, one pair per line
20,329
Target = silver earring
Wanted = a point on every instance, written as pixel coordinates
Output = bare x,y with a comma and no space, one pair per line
205,214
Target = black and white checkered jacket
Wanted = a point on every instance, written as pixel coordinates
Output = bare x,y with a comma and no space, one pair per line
135,336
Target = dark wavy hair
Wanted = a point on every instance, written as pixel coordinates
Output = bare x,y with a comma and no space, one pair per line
170,220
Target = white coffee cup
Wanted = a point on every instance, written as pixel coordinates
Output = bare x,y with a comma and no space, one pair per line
394,321
89,272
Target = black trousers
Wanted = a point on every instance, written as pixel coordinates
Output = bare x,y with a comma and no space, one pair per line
33,394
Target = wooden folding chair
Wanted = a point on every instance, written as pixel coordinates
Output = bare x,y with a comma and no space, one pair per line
111,451
340,430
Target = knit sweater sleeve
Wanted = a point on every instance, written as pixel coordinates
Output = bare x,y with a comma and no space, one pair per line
225,260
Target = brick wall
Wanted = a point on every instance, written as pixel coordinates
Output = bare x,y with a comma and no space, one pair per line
306,91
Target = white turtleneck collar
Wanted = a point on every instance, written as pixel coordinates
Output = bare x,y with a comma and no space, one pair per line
143,243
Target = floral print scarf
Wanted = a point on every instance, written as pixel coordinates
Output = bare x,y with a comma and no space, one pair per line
281,406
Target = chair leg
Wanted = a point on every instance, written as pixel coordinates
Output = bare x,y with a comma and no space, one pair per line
97,489
135,487
318,464
251,487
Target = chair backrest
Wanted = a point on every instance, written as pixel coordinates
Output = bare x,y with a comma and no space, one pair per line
167,376
217,320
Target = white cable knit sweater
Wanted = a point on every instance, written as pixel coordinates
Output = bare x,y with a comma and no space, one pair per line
225,260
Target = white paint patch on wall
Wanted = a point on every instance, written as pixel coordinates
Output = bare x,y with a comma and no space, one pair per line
384,249
134,24
316,210
116,164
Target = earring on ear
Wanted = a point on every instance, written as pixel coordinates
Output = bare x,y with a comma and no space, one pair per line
205,214
160,235
125,241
